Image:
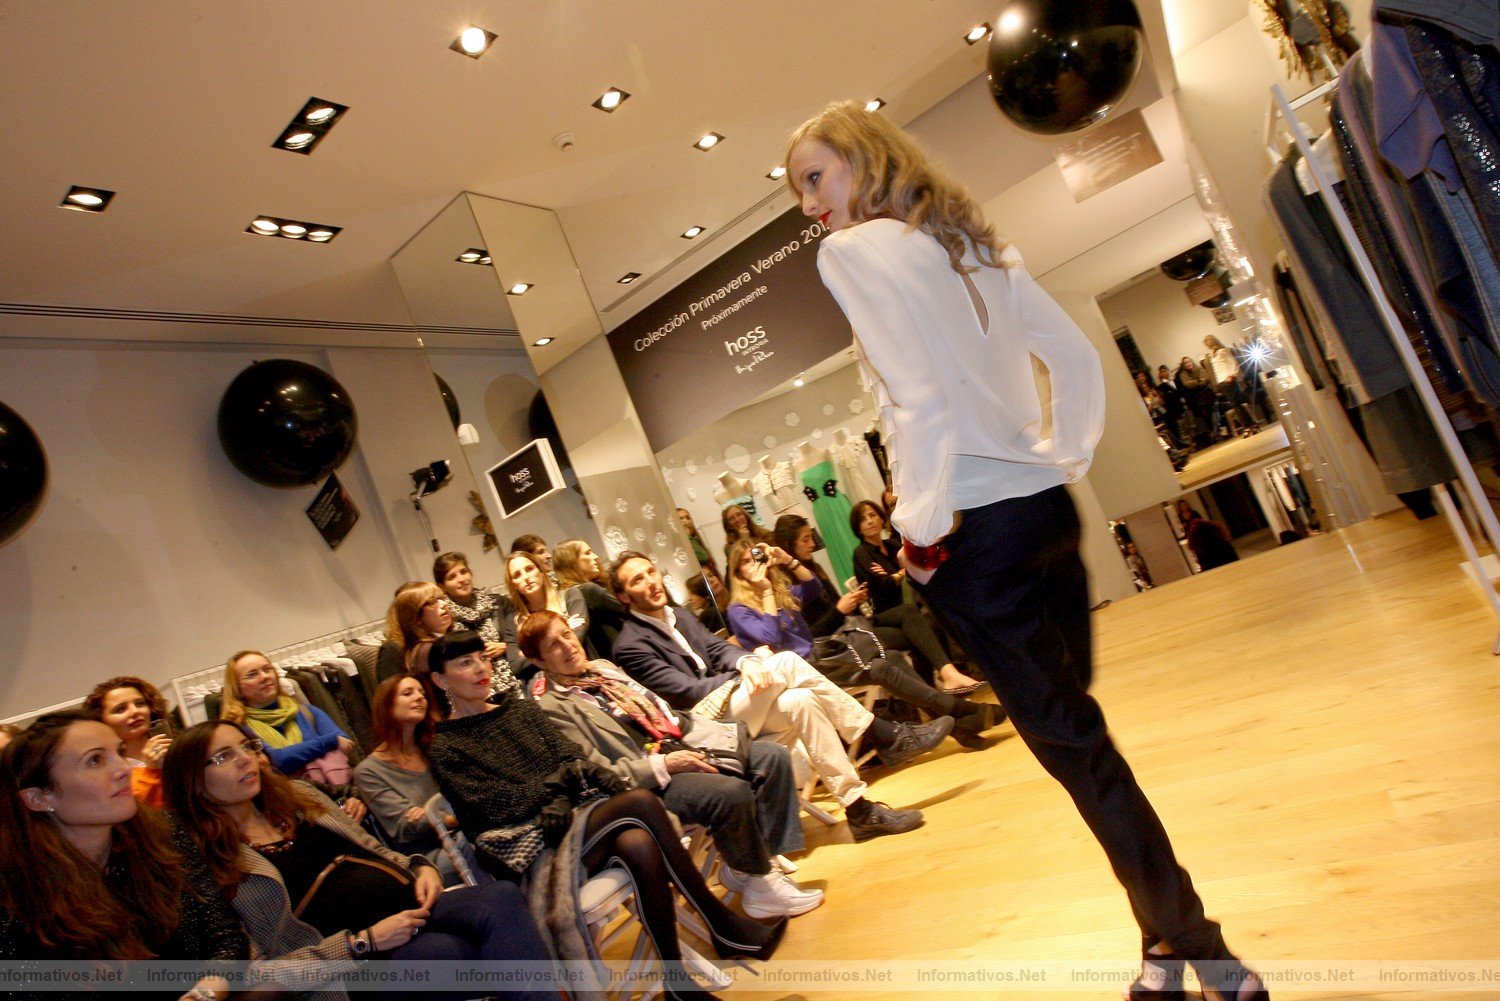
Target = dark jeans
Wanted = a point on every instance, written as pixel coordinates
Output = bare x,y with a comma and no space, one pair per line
485,922
1016,593
750,821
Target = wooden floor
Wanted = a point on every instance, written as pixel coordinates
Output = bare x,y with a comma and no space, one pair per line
1323,745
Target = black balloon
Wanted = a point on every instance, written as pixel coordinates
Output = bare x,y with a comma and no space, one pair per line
286,423
1195,262
449,400
1058,66
23,474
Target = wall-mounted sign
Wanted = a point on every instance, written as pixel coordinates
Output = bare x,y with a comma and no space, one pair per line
751,320
524,477
1115,151
332,512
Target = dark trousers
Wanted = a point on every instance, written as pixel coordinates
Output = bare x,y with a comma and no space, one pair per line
485,922
750,821
1016,593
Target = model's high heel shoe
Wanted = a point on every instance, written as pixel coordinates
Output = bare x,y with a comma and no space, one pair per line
1160,979
1227,979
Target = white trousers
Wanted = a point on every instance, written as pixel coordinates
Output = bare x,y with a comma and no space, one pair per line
803,705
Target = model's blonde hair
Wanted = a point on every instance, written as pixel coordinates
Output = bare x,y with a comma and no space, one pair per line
740,591
893,179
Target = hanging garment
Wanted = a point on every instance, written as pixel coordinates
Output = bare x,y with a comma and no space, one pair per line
1301,329
831,509
857,469
1408,128
1476,21
877,452
781,490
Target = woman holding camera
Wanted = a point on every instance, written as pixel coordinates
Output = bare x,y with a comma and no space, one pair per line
138,714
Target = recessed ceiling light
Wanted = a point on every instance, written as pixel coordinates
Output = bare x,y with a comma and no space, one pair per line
874,105
292,229
977,33
309,126
519,288
798,382
470,256
628,277
542,342
691,232
611,99
485,260
81,199
473,41
777,172
708,142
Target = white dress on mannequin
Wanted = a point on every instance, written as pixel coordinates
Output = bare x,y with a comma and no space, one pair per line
856,466
779,485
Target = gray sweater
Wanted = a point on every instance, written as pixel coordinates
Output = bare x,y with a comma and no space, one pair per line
389,791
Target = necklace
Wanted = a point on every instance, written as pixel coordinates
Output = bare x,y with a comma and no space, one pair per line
283,842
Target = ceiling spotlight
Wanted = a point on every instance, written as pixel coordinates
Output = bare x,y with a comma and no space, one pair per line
708,142
542,342
519,288
627,278
474,41
86,199
308,126
798,382
777,172
486,260
691,232
874,104
1011,21
470,256
292,229
977,33
611,99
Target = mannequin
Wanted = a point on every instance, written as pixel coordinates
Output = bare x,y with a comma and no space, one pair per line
856,466
779,486
830,506
733,490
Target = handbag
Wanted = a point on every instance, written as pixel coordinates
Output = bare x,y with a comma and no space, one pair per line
845,655
331,769
726,743
356,891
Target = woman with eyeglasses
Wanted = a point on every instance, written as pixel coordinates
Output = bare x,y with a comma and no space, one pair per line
91,875
295,734
316,895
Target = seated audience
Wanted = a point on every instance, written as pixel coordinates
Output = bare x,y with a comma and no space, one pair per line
700,550
138,714
579,567
764,611
417,616
270,842
750,807
709,599
876,566
395,780
738,526
532,590
89,874
771,693
536,547
297,736
519,786
470,607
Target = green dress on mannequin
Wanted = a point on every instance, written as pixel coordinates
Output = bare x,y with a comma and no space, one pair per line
831,509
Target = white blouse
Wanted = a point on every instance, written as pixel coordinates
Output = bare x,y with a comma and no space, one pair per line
958,403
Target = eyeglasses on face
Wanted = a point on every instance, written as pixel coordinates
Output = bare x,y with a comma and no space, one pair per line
249,749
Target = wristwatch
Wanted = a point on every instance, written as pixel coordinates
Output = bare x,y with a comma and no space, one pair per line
359,944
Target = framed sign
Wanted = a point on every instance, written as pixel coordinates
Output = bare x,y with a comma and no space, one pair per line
333,512
524,477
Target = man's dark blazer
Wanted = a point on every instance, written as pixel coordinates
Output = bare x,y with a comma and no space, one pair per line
651,657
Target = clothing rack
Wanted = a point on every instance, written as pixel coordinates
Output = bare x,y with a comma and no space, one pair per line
1477,504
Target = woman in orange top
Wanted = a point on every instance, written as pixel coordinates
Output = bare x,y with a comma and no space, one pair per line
129,706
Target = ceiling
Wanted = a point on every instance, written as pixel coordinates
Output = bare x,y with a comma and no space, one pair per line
176,110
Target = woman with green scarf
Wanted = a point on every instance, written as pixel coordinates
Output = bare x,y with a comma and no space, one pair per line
295,735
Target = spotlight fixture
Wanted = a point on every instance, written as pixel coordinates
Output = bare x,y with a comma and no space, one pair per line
977,33
611,99
627,278
542,342
308,126
474,255
777,172
292,229
874,104
81,199
799,382
431,478
691,232
473,41
708,142
520,288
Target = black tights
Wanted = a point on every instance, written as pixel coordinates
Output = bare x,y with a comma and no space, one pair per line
633,830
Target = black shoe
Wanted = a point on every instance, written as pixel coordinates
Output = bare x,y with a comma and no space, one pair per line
914,740
868,819
759,944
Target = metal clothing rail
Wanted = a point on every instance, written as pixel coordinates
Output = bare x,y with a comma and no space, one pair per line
1467,478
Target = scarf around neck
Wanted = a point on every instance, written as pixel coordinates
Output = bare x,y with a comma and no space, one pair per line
623,701
276,724
478,616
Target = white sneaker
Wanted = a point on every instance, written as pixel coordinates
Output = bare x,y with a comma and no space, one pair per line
775,896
